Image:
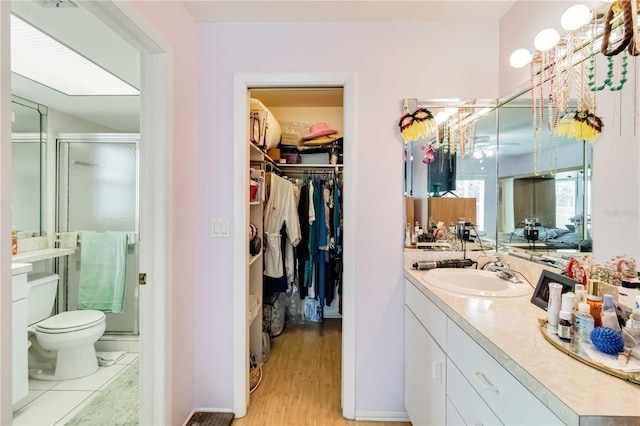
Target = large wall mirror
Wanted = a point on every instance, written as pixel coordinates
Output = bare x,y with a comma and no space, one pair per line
28,136
513,175
460,180
544,182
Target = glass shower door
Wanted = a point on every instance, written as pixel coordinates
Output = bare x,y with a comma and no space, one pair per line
98,191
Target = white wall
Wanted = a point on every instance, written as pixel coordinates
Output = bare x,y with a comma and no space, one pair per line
391,61
616,173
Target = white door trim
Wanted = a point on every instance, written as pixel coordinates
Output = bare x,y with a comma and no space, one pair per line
156,175
243,82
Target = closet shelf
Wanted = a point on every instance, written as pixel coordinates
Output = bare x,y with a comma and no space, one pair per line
254,258
255,203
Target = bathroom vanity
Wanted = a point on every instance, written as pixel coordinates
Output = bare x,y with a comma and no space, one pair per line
20,374
480,360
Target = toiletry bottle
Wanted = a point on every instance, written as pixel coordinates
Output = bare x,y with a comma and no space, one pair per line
608,316
584,322
553,308
594,299
581,295
568,302
565,326
407,236
14,242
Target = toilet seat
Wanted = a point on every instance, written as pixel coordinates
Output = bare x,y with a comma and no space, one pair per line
67,322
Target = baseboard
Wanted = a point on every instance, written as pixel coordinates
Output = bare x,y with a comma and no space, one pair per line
206,410
382,416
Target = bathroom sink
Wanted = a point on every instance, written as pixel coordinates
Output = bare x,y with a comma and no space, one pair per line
474,282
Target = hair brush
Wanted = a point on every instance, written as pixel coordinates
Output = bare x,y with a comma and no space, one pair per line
607,340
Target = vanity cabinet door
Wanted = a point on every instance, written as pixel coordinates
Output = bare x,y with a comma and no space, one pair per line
424,375
19,319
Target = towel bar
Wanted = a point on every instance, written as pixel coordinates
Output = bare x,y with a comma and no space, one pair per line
72,239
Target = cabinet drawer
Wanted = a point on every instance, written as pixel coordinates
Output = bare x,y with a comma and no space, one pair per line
431,317
466,401
505,396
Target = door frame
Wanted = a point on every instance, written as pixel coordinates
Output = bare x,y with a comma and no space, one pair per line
242,83
155,206
155,209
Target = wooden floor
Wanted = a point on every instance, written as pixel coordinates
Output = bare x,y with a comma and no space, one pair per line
301,380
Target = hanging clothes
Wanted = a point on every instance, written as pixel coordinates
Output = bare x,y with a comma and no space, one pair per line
280,211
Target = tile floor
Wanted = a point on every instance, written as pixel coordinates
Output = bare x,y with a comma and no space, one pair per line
54,403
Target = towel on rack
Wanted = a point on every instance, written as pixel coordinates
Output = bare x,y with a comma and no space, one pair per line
103,260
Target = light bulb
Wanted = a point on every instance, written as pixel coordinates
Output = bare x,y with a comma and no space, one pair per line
575,17
441,117
520,57
546,39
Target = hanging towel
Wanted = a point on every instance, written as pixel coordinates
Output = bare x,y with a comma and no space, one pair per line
103,262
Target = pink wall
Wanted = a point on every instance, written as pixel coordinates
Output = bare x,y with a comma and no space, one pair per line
172,22
518,27
391,61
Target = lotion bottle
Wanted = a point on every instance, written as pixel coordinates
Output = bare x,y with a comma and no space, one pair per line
584,323
553,308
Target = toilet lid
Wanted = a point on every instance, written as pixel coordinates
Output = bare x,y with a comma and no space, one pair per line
69,321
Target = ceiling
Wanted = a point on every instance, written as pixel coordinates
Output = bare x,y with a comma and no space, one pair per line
76,27
346,10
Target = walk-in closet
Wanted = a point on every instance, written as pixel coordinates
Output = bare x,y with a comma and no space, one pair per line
295,251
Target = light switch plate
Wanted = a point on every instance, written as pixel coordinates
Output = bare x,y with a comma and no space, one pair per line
219,228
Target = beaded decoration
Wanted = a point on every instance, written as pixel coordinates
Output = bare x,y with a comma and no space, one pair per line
608,81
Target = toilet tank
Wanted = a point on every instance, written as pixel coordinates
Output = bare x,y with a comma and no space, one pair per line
41,295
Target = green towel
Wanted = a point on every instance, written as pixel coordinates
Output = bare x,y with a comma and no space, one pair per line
103,261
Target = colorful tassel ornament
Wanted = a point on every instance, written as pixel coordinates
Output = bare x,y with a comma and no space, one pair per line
420,124
580,125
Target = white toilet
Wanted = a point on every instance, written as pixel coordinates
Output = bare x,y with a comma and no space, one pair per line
63,345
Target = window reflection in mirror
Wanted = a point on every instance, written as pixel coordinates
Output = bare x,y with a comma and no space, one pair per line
544,180
28,161
474,176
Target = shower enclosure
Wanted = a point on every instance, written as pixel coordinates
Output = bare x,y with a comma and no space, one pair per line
97,191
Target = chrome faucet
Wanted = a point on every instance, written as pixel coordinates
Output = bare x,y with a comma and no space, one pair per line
502,270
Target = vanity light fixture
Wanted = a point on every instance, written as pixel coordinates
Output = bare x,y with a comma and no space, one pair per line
546,39
575,17
520,57
38,57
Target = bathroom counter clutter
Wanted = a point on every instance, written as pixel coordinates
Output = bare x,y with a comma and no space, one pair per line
508,330
43,254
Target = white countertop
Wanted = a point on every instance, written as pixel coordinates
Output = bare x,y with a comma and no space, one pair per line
43,254
507,328
20,268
